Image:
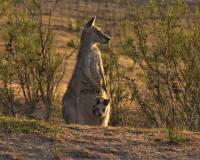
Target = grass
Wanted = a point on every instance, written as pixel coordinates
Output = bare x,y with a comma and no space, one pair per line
72,44
23,125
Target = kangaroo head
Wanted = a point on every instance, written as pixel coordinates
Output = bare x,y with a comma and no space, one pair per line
93,34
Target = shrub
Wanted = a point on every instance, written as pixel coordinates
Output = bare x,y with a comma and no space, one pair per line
117,89
166,49
32,64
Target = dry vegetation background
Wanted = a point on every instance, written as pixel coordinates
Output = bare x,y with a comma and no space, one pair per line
145,35
67,21
147,64
153,74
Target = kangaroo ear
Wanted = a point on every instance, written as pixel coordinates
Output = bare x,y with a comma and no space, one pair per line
106,102
91,22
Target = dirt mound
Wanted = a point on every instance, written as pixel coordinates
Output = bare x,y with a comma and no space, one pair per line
82,142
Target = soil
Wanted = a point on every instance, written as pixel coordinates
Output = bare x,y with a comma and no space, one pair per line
82,142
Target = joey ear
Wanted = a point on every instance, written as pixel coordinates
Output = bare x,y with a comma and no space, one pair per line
91,22
106,102
98,101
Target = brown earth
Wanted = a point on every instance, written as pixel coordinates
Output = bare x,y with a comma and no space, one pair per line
82,142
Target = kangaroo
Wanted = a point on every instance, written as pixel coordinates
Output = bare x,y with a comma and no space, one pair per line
102,110
92,109
87,79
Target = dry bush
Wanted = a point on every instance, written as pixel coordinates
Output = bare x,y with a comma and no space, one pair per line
30,59
117,89
166,49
